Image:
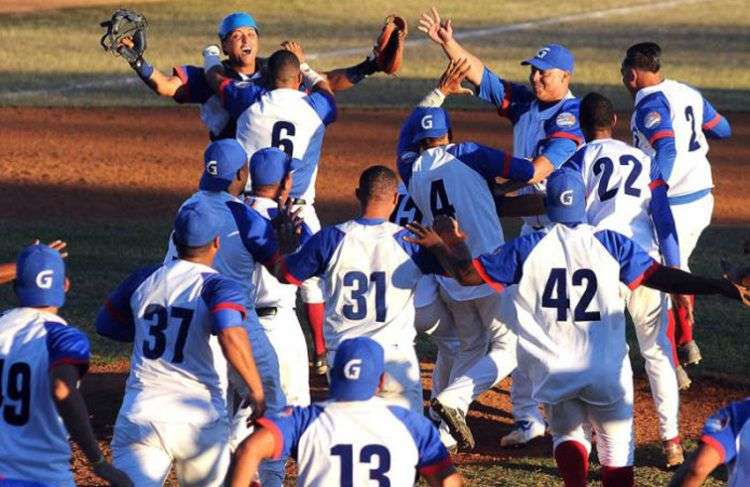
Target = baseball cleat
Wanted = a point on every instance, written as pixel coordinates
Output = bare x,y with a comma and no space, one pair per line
456,422
523,432
689,354
683,379
320,365
673,453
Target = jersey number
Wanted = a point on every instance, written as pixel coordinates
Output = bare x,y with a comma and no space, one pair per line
606,167
366,455
557,285
361,285
15,392
690,117
408,206
439,203
284,143
159,315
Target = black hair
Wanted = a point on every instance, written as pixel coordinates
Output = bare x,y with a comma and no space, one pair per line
281,64
597,112
377,182
644,55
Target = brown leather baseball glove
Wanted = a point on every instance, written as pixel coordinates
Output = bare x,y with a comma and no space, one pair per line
388,52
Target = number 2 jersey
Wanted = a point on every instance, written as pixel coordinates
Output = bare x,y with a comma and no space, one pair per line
358,443
569,313
170,313
33,439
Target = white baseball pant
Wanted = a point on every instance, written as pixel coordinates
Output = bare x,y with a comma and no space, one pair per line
690,220
311,290
146,451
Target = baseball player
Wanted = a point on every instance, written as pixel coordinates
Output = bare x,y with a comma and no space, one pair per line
239,36
626,193
725,439
8,269
571,322
671,122
545,130
354,439
294,121
454,179
247,238
370,274
42,359
175,406
275,302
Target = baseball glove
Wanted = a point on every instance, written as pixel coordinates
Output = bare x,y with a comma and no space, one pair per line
126,35
740,277
389,48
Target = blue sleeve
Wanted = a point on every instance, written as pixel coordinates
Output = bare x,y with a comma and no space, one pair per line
661,215
576,161
257,233
714,125
510,99
313,258
433,456
666,153
226,302
504,266
635,264
722,428
653,120
425,260
562,133
67,345
194,87
115,319
288,427
237,96
324,105
492,163
558,150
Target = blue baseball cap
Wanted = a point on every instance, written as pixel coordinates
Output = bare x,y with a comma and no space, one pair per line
40,277
357,368
552,56
195,225
270,165
566,196
234,21
433,122
222,159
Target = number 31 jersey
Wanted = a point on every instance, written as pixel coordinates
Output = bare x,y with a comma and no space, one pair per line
570,315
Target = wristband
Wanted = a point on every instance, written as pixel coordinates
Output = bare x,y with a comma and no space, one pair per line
143,69
310,76
435,98
211,58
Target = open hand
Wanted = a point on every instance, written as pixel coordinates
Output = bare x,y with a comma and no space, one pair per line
454,74
296,48
441,32
423,236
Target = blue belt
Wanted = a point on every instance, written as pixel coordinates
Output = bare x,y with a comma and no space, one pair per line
688,198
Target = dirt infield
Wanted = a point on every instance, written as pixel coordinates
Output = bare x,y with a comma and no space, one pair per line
115,164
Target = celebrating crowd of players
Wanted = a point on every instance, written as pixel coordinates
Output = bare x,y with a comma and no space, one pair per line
219,381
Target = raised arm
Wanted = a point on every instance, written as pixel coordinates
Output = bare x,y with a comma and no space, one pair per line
441,33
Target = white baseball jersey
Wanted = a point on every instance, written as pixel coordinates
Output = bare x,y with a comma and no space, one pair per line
674,109
370,273
291,120
453,180
728,431
570,315
33,439
178,371
358,443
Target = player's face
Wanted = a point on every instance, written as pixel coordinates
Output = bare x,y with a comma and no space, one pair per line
549,84
241,46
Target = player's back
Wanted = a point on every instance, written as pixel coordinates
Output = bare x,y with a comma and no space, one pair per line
359,443
178,372
33,440
618,180
691,171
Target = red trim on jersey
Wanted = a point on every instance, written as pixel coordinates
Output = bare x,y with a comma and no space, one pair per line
715,444
116,313
656,183
644,275
288,276
223,87
437,467
661,134
502,110
278,438
506,165
712,123
229,305
496,286
566,135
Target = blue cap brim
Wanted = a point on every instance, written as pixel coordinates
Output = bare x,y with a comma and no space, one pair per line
213,183
539,64
432,133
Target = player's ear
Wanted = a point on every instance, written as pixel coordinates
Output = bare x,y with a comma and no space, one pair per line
358,194
216,243
381,383
66,286
614,120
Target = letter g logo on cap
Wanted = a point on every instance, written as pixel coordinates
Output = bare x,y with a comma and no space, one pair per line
352,369
566,197
427,122
212,168
542,52
44,279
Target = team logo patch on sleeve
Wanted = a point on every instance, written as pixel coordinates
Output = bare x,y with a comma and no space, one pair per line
652,120
716,423
565,119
